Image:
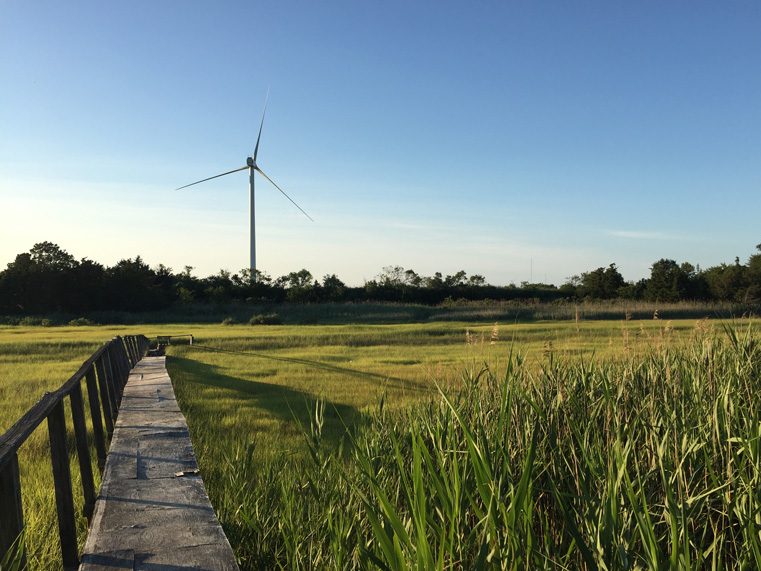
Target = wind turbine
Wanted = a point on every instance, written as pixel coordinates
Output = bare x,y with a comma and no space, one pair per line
252,167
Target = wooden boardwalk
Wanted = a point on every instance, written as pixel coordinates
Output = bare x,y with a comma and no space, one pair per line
153,513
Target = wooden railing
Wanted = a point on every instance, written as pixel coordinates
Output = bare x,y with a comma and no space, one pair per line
167,339
105,374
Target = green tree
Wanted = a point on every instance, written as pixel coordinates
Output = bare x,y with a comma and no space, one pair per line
50,256
754,277
455,280
132,286
727,282
668,281
633,290
332,287
391,276
602,283
435,281
299,285
411,278
45,279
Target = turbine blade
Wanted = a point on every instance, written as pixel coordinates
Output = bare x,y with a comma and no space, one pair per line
284,193
266,100
211,177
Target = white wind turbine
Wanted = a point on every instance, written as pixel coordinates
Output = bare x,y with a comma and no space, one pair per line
252,167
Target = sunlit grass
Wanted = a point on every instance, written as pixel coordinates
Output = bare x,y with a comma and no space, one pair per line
635,460
243,384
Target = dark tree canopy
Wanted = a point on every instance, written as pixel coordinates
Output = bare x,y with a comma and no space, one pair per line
602,283
48,279
668,281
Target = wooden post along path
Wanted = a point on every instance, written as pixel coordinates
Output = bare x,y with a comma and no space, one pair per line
153,512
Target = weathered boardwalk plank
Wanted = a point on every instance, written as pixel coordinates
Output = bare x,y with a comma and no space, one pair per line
146,517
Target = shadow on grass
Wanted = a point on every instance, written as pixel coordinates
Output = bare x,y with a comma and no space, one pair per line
388,381
284,403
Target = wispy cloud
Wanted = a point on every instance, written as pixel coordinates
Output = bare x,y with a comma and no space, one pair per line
643,235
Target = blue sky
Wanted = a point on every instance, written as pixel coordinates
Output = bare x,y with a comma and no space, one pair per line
496,137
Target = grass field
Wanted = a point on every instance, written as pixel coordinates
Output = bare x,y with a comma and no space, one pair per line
251,393
257,382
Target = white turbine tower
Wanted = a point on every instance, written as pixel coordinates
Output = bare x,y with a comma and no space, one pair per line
252,167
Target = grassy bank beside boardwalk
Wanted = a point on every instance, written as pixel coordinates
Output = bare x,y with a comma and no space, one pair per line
251,392
633,461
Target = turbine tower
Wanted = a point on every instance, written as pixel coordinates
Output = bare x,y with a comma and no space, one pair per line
252,167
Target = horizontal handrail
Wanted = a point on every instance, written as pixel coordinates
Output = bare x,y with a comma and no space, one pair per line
15,436
106,372
161,339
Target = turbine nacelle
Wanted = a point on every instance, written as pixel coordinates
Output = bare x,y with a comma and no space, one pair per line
252,166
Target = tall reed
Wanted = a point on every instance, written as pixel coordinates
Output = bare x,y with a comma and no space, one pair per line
647,462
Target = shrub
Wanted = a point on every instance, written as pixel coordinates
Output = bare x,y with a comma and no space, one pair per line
35,321
265,319
81,321
229,321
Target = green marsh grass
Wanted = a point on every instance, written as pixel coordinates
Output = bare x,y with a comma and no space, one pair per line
252,393
647,461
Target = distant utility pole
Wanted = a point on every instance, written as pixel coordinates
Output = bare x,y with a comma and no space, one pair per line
531,274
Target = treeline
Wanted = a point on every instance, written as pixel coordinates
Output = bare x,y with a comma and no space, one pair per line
670,281
48,279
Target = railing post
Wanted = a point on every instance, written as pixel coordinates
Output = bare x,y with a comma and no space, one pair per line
123,357
113,375
130,360
105,373
97,420
111,382
104,398
126,358
122,350
119,347
113,356
11,514
122,364
133,351
64,497
83,451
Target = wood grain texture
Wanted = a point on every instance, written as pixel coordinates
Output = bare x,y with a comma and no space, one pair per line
97,418
105,399
11,514
83,450
64,496
146,517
